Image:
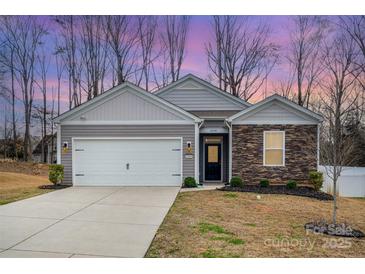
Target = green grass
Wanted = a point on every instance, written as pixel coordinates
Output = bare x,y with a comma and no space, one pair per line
210,253
205,231
230,240
207,227
230,195
228,236
236,241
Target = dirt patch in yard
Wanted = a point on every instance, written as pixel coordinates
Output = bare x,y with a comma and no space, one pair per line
16,186
29,168
226,224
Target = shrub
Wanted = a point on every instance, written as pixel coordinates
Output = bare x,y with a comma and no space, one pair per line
291,184
56,174
189,182
316,179
264,183
236,182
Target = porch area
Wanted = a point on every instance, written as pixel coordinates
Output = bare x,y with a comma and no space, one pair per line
214,153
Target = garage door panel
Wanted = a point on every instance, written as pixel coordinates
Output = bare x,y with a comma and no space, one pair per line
127,162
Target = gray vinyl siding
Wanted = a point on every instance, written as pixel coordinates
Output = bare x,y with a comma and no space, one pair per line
200,100
126,106
69,131
274,113
213,123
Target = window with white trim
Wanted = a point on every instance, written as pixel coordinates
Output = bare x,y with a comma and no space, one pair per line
274,148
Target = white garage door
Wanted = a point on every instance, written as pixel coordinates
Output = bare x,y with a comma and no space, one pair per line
127,162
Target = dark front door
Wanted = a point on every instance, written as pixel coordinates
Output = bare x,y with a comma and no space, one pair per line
213,162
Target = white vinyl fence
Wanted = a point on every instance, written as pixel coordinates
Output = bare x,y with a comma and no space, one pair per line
351,183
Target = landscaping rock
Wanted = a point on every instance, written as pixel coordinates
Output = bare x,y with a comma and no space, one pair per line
281,189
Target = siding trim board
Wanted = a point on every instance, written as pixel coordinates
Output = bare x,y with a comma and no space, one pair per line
134,122
58,144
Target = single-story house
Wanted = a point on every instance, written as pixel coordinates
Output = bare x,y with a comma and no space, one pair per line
190,128
50,149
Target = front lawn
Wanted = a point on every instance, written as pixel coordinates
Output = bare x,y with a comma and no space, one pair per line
17,186
227,224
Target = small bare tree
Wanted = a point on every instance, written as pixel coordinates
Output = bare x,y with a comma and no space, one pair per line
93,51
67,48
7,67
7,131
354,26
173,37
241,56
23,35
122,40
44,62
304,54
147,27
340,94
285,87
60,67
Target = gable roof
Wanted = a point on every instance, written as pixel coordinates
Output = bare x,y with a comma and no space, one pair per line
282,101
205,84
121,88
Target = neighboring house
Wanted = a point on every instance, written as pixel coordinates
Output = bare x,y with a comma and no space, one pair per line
128,136
50,150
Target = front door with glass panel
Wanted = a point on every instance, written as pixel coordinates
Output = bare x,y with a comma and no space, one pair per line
213,162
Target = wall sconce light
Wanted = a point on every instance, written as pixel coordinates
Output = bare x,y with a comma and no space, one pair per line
65,146
189,149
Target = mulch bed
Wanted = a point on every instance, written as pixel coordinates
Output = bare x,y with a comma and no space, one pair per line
304,191
53,187
341,230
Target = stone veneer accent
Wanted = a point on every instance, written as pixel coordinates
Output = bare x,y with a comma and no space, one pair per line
300,153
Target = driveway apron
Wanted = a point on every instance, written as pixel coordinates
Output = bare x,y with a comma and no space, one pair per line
85,222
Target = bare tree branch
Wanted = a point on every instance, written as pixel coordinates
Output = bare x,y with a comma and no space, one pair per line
242,56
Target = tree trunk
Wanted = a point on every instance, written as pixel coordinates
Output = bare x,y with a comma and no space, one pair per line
58,95
26,137
334,216
13,108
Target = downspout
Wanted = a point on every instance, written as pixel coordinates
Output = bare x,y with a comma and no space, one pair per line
229,150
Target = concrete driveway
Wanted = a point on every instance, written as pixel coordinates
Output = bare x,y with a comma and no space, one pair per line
85,222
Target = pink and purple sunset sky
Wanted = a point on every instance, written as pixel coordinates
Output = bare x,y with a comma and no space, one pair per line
195,62
200,33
